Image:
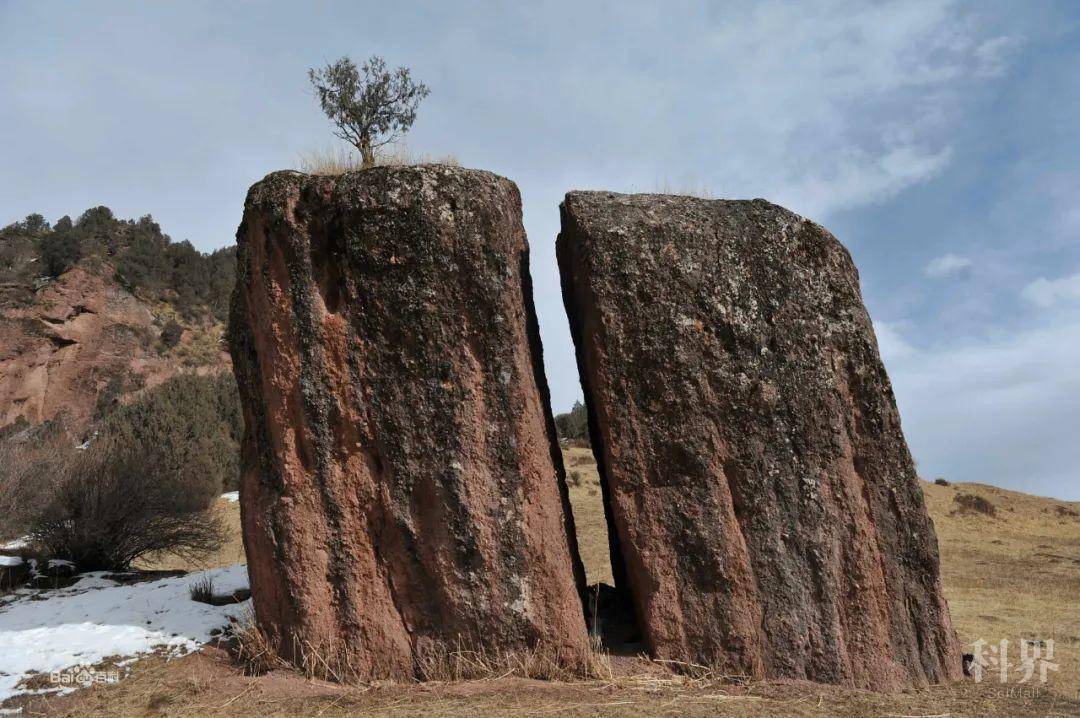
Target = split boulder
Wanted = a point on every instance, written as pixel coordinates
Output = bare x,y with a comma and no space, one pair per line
766,514
402,492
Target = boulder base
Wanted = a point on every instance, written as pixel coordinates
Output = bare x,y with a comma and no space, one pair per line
766,514
402,491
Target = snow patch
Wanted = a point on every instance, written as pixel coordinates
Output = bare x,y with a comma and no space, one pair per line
17,544
231,496
98,617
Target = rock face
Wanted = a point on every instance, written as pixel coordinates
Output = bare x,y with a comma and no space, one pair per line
764,509
402,490
75,342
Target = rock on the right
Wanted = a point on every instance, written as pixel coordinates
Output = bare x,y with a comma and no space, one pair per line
764,511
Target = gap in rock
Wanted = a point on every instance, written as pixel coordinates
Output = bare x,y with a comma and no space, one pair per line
608,603
609,608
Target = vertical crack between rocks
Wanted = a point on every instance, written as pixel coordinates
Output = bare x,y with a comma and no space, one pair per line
567,260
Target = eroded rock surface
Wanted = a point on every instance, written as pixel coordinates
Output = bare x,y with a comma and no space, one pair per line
76,344
767,518
402,491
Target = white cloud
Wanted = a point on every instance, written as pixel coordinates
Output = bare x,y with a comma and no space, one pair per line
1045,292
820,106
994,54
832,105
1001,410
947,265
861,179
891,345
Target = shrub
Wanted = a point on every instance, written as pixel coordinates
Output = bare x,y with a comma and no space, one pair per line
34,225
59,252
576,478
975,504
171,333
111,504
573,424
202,348
191,425
117,386
941,481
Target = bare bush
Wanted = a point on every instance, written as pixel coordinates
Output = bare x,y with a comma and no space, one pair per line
111,504
12,508
25,473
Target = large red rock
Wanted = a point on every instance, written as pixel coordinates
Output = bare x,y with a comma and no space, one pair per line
402,490
766,514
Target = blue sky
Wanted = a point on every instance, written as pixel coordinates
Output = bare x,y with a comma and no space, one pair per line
937,140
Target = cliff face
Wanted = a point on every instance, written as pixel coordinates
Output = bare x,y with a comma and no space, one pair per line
78,341
129,309
402,492
766,515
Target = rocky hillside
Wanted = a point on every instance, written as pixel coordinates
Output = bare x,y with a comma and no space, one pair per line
95,309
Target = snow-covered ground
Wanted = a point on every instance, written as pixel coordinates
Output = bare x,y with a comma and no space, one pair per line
231,496
98,618
20,543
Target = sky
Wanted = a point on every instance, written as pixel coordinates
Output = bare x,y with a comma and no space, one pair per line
937,140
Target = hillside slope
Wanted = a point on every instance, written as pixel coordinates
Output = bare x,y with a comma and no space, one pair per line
94,310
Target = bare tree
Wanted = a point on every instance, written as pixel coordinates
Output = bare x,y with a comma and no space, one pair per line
372,106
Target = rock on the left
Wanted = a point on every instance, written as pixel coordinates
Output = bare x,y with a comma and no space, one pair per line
402,491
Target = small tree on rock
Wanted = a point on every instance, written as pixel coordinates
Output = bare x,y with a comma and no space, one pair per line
371,106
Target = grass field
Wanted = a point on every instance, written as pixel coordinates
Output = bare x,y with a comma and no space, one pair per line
1014,575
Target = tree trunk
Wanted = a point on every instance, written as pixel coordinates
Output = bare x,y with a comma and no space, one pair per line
366,152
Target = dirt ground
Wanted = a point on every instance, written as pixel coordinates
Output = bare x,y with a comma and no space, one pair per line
1013,575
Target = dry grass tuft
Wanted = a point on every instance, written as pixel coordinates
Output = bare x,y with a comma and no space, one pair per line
253,651
974,503
202,590
337,160
435,661
442,663
685,189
